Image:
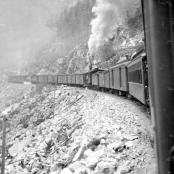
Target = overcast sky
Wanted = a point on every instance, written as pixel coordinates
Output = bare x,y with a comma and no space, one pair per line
23,27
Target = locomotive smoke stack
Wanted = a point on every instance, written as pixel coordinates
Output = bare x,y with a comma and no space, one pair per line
90,59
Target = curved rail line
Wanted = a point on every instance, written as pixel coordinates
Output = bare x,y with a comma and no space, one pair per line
127,78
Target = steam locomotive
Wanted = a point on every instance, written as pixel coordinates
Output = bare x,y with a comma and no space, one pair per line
128,77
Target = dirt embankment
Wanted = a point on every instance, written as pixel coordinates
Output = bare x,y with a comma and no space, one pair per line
69,130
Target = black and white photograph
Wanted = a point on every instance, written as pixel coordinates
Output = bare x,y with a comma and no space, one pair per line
86,86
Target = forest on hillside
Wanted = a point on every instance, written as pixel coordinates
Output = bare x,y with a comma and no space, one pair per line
89,29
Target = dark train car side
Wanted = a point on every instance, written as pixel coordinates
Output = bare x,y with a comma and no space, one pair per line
52,79
118,78
43,78
17,78
87,77
137,79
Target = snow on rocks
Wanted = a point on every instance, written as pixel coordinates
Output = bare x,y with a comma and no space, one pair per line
66,130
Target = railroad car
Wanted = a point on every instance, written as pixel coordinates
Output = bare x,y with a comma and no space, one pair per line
52,79
59,79
16,79
68,79
77,81
11,79
73,79
64,79
101,80
118,77
81,82
111,71
23,78
34,79
95,80
107,79
43,78
87,77
26,78
137,78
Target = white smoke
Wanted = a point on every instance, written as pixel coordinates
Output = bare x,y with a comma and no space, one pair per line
108,15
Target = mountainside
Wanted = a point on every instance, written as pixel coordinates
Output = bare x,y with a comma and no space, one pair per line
90,30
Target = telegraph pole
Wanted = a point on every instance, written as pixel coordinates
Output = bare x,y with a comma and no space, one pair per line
4,114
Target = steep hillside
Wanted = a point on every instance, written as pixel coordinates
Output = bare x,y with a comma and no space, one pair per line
92,29
60,130
78,60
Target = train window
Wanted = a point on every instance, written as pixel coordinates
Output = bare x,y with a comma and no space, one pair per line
135,76
135,66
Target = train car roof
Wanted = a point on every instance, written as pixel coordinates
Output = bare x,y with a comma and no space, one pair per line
94,70
122,63
138,58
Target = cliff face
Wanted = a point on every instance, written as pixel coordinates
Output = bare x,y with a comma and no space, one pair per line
78,60
85,29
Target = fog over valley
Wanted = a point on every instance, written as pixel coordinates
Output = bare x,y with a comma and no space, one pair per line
23,28
64,36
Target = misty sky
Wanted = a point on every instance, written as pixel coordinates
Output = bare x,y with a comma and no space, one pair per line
23,28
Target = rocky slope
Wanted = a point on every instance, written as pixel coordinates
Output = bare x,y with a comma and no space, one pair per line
68,130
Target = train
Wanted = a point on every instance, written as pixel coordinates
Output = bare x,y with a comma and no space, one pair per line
127,77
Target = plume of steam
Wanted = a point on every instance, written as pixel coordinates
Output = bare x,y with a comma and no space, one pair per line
108,15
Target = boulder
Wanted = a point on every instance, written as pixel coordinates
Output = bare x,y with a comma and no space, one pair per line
56,172
66,171
82,171
81,150
118,146
129,144
76,165
91,161
105,168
